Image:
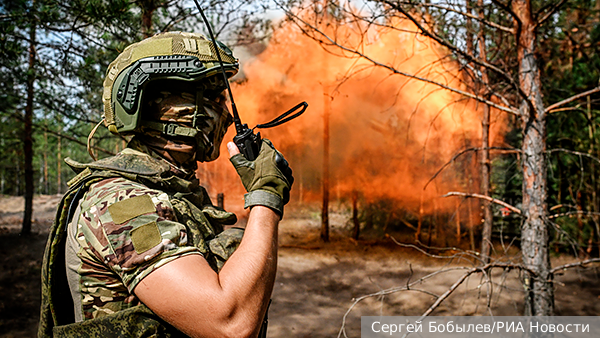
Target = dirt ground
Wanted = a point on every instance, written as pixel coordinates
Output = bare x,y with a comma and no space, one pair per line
316,283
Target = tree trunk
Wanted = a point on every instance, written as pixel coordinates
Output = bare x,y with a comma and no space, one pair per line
221,200
18,189
148,7
58,166
486,234
325,210
46,185
420,220
469,28
356,230
534,230
594,183
471,226
27,133
457,224
2,180
300,188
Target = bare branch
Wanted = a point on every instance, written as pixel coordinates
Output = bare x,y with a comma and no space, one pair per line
574,153
509,10
458,51
510,110
552,10
469,15
483,270
487,198
573,265
577,212
448,292
460,255
501,149
390,291
571,99
71,138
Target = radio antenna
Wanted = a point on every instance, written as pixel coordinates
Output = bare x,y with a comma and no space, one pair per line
236,116
247,142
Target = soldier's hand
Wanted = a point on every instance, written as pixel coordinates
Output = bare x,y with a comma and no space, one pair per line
268,179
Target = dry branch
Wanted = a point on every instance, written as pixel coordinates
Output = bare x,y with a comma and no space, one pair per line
71,138
459,255
550,12
482,269
487,198
439,299
573,265
500,149
331,41
448,293
458,51
465,14
578,153
571,99
578,212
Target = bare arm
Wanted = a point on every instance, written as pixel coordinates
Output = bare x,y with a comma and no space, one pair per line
201,303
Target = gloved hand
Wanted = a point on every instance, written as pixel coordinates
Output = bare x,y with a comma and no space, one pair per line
268,179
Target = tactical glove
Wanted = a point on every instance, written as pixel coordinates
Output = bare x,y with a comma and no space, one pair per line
267,179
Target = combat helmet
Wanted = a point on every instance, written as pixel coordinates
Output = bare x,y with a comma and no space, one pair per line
176,56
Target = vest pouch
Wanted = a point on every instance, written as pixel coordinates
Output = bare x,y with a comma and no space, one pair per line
136,322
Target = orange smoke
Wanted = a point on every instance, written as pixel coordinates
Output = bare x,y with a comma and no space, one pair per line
388,134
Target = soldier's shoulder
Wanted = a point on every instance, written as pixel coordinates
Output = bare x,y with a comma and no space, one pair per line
114,189
113,184
129,161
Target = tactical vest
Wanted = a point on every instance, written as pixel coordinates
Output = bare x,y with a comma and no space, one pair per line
202,219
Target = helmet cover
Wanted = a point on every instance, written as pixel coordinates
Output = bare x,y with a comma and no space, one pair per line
176,56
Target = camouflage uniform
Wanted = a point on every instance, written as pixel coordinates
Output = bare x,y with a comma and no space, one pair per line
129,214
122,218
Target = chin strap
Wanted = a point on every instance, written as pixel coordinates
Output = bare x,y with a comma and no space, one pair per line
170,129
203,144
89,140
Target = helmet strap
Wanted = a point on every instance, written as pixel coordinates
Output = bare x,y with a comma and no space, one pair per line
203,144
170,129
89,139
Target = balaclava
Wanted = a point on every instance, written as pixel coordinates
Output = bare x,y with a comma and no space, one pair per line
176,102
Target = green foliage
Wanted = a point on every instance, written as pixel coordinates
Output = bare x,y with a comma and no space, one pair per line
571,65
75,42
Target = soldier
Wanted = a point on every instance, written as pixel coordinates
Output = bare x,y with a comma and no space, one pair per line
137,248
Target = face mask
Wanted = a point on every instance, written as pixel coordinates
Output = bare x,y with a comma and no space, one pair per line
215,125
179,107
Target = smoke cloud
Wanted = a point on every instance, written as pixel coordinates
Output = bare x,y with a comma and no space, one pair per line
389,134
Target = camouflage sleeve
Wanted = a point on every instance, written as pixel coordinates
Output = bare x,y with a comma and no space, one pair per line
131,229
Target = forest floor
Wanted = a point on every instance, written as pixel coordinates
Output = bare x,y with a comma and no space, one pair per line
317,283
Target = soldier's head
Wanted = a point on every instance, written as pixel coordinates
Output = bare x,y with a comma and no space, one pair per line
169,90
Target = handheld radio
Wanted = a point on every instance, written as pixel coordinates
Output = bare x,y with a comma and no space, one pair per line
245,139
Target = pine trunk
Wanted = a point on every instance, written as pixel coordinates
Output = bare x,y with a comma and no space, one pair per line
356,230
325,210
534,230
27,134
486,234
46,184
58,166
148,7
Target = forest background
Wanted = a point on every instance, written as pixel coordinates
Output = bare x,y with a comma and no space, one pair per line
492,104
